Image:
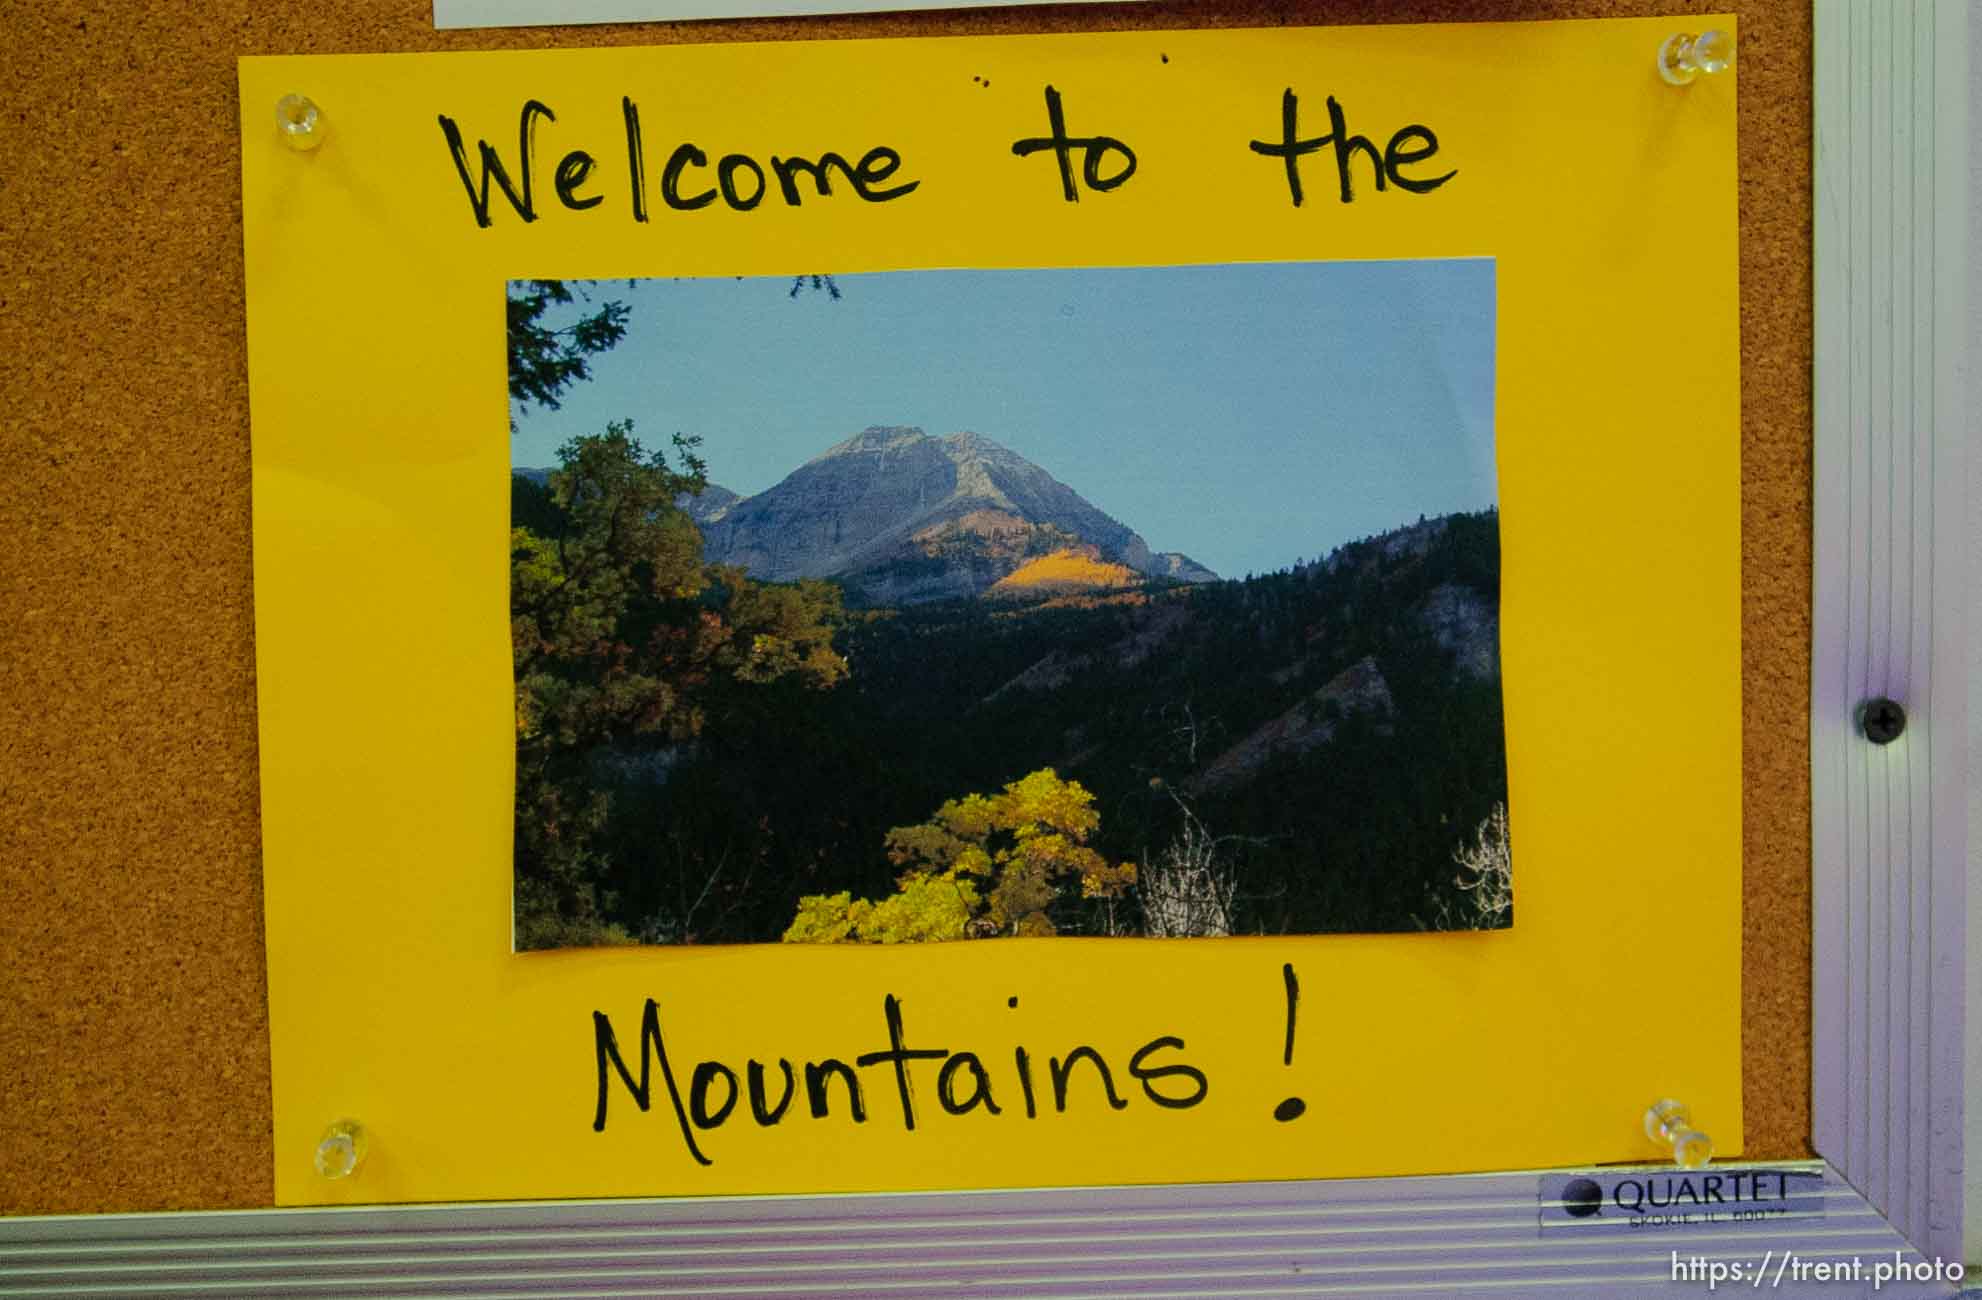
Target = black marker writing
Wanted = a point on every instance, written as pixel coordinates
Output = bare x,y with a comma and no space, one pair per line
1063,1070
899,1056
1146,1075
1410,144
572,170
652,1043
698,1094
1094,151
741,182
636,157
963,1082
1292,1107
758,1111
683,157
946,1085
492,166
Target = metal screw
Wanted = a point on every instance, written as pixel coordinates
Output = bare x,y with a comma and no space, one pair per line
1881,720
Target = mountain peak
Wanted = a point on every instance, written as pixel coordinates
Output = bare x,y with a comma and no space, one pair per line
959,447
884,512
875,437
966,443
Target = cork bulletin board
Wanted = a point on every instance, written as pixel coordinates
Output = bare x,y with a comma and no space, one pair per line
134,943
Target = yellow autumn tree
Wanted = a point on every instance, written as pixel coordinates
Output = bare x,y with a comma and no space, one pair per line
983,865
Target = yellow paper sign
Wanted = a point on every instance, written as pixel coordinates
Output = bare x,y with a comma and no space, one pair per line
1603,200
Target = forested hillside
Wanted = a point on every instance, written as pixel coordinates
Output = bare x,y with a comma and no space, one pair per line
1309,747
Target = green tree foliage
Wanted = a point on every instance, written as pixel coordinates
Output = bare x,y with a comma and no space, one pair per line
544,360
629,650
624,643
817,283
601,611
619,629
983,865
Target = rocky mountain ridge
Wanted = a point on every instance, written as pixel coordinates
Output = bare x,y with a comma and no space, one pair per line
903,517
900,518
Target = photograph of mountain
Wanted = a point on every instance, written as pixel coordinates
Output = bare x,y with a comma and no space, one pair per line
958,605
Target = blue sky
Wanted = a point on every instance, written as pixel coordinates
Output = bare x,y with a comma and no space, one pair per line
1246,415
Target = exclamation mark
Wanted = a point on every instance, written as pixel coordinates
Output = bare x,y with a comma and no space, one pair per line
1293,1107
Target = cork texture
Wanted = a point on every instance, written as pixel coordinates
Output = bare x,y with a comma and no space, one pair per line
134,1059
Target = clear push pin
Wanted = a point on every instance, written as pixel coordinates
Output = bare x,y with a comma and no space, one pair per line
300,121
1670,1124
1685,56
341,1149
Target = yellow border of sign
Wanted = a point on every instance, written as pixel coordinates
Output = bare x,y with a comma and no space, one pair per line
1607,199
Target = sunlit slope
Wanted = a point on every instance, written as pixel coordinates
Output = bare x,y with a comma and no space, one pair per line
1063,572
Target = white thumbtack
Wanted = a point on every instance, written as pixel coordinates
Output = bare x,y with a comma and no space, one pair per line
300,121
1685,56
341,1149
1670,1124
